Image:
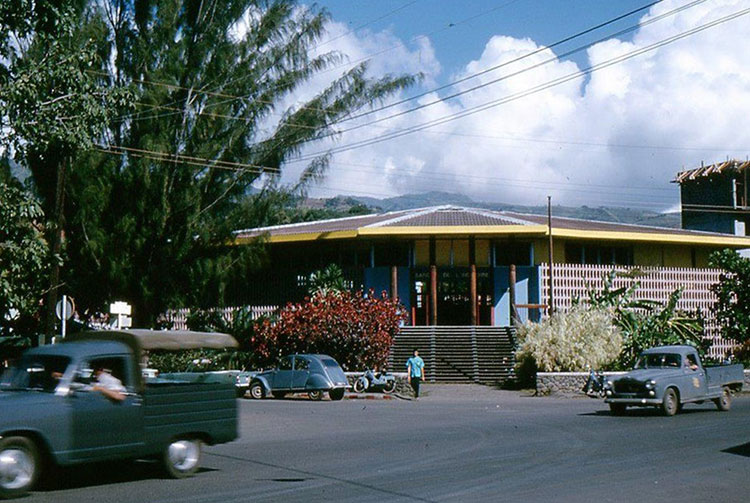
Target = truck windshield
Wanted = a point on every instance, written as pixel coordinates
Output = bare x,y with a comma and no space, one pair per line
35,372
658,360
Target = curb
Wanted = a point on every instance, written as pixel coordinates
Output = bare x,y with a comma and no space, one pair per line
370,396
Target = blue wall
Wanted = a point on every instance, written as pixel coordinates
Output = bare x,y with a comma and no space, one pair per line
379,279
528,291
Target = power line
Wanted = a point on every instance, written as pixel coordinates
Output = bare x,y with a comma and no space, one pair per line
520,58
528,92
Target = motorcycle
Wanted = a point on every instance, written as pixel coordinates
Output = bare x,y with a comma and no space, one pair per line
595,386
375,381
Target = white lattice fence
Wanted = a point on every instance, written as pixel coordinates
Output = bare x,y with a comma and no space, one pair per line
178,317
573,281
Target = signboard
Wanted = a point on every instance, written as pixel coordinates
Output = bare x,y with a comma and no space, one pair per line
65,308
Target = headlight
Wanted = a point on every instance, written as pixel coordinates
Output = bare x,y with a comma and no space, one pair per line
650,384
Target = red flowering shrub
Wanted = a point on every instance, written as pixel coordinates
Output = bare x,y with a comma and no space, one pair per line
355,330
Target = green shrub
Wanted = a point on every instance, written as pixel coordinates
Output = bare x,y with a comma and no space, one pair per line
569,341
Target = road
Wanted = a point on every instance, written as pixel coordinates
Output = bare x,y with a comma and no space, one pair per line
457,443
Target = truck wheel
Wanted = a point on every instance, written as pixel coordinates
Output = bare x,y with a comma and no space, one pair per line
360,385
257,391
315,395
336,394
724,402
390,386
670,403
182,458
19,466
617,409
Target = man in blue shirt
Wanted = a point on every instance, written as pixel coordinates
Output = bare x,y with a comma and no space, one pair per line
415,369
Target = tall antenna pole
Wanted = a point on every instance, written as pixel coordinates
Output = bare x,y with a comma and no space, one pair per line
550,283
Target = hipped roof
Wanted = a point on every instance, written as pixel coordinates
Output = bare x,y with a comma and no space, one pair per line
454,221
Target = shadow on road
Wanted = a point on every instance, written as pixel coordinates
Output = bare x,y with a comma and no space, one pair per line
740,450
103,473
308,475
643,412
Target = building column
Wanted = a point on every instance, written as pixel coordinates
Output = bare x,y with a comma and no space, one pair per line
473,282
433,294
394,282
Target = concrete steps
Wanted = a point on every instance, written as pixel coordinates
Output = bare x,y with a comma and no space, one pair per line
457,353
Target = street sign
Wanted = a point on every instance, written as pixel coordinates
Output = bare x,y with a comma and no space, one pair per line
69,306
120,307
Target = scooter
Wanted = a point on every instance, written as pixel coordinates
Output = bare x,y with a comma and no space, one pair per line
375,381
595,384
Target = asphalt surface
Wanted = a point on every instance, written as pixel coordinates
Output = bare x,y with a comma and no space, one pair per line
457,443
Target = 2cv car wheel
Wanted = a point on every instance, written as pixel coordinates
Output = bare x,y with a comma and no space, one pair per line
182,458
670,403
724,402
257,391
336,394
316,395
19,466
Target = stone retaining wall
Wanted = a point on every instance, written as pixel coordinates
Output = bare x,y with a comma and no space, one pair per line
572,382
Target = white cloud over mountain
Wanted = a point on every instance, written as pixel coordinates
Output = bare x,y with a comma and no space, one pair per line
616,137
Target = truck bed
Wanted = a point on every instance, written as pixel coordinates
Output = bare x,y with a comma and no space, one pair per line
176,408
724,375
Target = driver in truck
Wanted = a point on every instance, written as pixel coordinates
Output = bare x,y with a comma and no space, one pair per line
108,385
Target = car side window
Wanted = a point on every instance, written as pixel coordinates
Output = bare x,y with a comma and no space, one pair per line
691,362
285,363
116,366
301,364
671,360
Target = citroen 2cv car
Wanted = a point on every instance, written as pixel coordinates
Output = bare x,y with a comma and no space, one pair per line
314,374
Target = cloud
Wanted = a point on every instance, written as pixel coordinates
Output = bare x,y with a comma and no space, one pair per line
616,138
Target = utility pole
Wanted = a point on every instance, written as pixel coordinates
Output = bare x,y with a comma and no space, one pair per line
57,234
550,282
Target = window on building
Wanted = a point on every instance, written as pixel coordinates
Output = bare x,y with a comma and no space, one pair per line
577,253
512,253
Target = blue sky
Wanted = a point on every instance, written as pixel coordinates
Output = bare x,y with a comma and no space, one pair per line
616,137
459,29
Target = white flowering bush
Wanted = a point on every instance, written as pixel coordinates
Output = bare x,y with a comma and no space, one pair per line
570,341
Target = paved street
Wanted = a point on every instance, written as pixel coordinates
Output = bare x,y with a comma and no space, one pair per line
458,443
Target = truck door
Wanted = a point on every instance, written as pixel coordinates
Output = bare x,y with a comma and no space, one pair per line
102,427
695,377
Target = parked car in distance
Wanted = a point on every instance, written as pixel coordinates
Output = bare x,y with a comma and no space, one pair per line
668,377
241,378
314,374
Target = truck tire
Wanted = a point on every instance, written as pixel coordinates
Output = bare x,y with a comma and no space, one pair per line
724,402
670,403
617,409
19,466
182,457
336,394
257,390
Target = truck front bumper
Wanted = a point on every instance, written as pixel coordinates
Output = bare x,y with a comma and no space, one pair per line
634,401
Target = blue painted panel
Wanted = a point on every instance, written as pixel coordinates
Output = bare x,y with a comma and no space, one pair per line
379,279
528,291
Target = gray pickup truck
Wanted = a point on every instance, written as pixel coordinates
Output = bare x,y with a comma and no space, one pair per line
52,413
668,377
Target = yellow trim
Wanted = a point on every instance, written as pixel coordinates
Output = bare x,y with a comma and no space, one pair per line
652,237
494,230
453,230
306,236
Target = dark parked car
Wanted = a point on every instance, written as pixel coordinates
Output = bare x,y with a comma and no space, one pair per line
314,374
